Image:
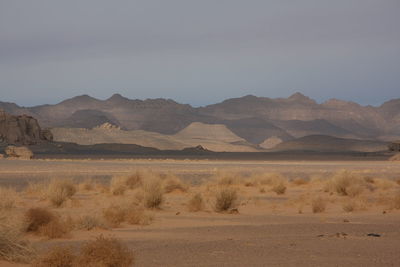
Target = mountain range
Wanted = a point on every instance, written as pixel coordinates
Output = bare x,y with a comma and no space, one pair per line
254,121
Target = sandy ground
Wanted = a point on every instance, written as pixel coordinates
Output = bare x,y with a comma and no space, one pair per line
269,230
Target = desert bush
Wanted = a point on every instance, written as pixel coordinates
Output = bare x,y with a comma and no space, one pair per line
173,183
43,222
36,218
225,199
396,201
8,198
56,256
89,222
86,185
153,193
105,252
118,185
262,190
38,189
346,183
114,215
279,188
12,247
134,180
60,190
349,206
136,215
271,179
318,205
196,203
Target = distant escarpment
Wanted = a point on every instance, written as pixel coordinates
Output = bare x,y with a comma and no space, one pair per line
21,130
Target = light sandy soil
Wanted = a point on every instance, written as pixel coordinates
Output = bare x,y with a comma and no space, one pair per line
269,230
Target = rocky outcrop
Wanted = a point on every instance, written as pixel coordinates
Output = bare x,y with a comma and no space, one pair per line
394,146
21,130
21,152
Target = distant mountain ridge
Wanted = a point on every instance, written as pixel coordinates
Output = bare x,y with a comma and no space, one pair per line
255,119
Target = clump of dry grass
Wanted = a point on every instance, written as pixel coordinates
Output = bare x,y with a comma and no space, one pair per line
89,222
153,193
58,256
318,205
279,188
60,190
136,215
118,185
173,183
12,247
134,180
196,203
270,179
87,185
346,183
114,215
8,198
105,252
349,205
225,199
396,201
43,222
38,189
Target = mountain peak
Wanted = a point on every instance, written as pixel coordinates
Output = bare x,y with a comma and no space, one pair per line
116,97
299,97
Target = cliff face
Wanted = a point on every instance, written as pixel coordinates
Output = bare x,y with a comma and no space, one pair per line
21,130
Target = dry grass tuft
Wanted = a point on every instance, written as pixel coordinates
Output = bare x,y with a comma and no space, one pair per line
134,180
279,188
58,256
88,223
173,183
118,185
350,205
318,205
226,199
114,215
87,185
153,193
196,203
60,190
12,247
105,252
43,222
138,216
8,198
396,201
271,179
346,183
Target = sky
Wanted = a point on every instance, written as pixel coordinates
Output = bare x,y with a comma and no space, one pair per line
199,51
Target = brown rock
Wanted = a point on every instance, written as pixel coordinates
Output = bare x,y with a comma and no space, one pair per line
21,152
21,130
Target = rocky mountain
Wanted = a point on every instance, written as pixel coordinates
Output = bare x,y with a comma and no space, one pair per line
257,120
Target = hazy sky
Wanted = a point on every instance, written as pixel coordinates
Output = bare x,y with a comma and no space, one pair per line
199,51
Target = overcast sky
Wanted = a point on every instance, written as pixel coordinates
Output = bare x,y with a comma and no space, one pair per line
199,51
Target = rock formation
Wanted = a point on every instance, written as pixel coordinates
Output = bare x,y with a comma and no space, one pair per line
21,130
21,152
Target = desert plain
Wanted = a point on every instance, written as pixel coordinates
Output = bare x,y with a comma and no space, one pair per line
172,212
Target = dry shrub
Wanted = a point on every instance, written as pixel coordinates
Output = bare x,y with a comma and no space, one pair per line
58,256
114,215
262,190
227,178
196,203
279,188
271,179
385,184
88,223
173,183
118,185
86,185
8,198
12,247
225,199
107,252
138,216
60,190
153,193
318,205
43,222
346,183
38,189
349,205
300,181
134,180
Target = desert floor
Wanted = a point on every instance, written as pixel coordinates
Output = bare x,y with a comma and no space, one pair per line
263,229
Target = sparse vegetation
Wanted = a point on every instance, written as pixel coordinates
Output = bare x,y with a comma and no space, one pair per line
346,183
89,222
279,188
196,203
114,215
105,252
226,198
60,190
43,222
300,181
153,193
12,247
173,183
8,198
58,256
118,185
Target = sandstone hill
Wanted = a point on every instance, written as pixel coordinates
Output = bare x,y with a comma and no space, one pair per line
254,119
